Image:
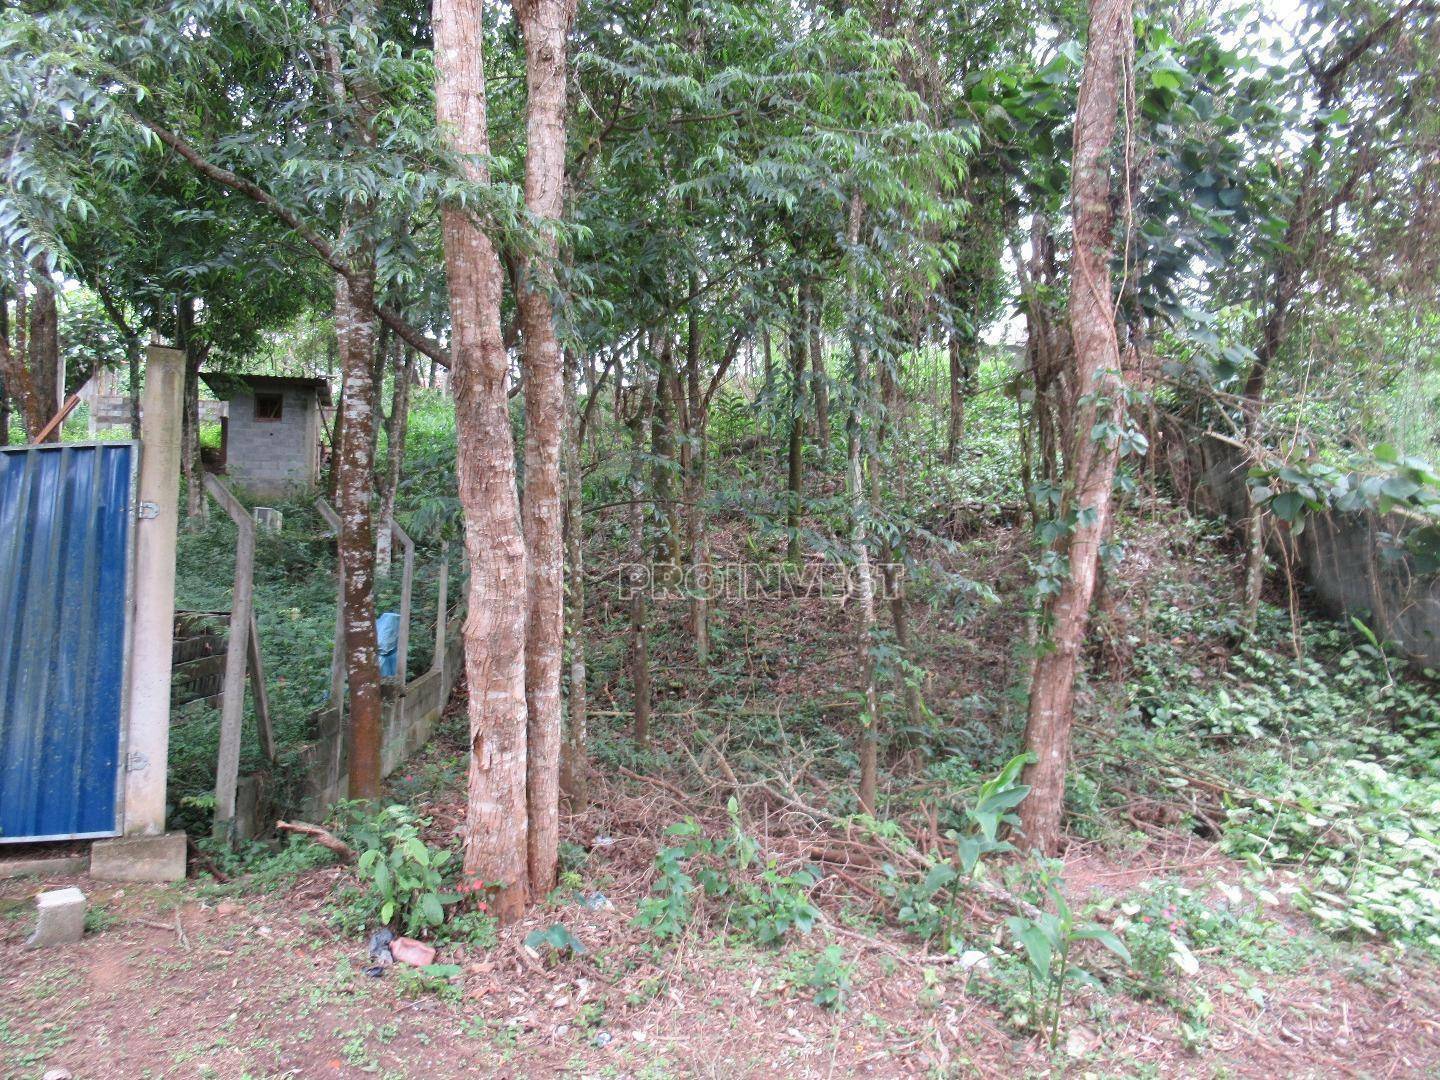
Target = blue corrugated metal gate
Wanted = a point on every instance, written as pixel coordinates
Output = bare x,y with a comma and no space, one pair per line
66,526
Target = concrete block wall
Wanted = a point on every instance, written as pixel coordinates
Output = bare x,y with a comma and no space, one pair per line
1353,564
409,721
273,458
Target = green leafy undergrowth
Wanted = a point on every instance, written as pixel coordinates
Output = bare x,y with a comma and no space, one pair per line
1341,697
826,973
1336,761
254,868
1370,839
730,879
1168,926
930,905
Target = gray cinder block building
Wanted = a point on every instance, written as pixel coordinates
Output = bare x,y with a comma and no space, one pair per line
270,441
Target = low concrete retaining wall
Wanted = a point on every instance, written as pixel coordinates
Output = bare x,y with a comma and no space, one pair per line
408,722
1354,564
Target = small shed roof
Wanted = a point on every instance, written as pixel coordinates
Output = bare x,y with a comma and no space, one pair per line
226,385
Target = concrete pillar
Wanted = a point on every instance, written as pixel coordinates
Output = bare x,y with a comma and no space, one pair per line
437,661
148,743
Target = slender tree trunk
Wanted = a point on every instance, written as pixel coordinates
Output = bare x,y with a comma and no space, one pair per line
337,431
819,379
497,817
133,348
574,752
379,362
354,472
769,361
867,749
1098,395
1045,350
697,543
543,25
959,387
662,469
5,350
639,579
195,504
795,473
20,387
1252,404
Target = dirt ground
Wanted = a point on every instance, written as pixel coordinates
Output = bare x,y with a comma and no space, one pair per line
172,982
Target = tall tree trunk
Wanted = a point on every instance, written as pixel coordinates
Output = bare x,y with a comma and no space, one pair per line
662,468
639,580
819,379
354,472
337,430
795,473
355,328
1045,349
769,361
1252,400
961,365
893,581
4,350
133,348
543,25
19,386
497,821
696,462
1090,462
43,343
868,736
574,752
380,362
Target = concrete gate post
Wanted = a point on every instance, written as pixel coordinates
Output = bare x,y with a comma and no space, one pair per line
146,852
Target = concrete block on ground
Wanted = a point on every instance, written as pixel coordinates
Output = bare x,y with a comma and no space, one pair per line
139,858
48,866
253,811
61,919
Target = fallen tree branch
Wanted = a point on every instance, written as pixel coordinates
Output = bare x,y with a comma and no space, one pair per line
665,785
323,837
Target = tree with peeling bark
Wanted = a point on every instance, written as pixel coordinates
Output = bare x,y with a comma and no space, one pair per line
497,818
543,27
1094,449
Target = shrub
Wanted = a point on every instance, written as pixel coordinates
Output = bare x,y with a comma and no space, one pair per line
406,881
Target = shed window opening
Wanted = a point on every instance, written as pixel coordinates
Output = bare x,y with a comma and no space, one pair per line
269,406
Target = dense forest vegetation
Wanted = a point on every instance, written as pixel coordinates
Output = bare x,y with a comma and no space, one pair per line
827,401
